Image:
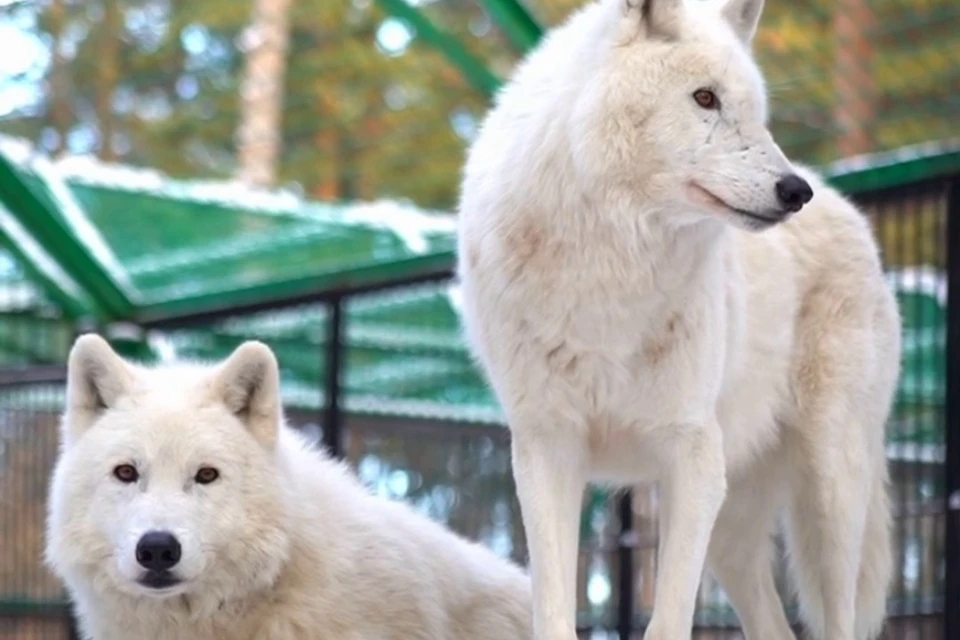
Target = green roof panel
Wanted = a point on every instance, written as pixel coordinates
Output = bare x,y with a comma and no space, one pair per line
181,246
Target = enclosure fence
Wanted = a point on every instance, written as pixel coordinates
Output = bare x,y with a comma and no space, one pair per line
455,466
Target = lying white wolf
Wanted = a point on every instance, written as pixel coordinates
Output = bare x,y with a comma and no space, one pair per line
182,508
636,328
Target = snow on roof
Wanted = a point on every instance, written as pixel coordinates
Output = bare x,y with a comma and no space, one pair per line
17,296
411,224
80,224
88,170
894,156
18,150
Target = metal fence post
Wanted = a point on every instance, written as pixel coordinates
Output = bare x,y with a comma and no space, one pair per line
73,630
951,615
626,543
333,418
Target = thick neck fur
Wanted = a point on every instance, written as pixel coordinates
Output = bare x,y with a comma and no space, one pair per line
555,204
616,234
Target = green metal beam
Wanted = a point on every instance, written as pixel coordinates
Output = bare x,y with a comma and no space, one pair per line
43,271
81,228
57,235
474,70
192,304
895,168
516,22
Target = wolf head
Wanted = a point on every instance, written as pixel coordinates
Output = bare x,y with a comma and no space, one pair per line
166,482
675,106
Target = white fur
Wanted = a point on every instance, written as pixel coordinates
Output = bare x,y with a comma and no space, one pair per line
285,545
637,328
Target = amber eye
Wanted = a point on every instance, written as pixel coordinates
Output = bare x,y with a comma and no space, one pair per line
126,473
706,99
206,475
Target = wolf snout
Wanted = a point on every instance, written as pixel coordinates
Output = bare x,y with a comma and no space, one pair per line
793,192
158,551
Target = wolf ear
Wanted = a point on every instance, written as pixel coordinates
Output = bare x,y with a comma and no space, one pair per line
248,384
657,18
96,378
743,16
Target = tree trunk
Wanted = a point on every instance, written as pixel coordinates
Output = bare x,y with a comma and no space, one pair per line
258,137
326,185
108,73
60,113
854,111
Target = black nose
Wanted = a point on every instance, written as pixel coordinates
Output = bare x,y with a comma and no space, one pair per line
158,551
793,192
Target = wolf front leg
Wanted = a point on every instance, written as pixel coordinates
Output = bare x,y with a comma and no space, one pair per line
548,467
692,490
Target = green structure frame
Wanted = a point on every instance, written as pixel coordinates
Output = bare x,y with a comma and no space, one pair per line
41,227
521,28
405,354
62,230
51,237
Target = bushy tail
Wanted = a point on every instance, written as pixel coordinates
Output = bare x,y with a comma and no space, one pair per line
876,563
804,544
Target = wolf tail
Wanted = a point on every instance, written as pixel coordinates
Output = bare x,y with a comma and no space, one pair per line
876,562
875,569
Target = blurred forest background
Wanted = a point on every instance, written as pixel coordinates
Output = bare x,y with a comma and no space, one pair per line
342,101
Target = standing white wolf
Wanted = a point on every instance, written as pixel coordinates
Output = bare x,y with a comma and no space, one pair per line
636,328
182,508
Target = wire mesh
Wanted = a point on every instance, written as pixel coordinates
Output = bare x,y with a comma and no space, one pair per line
32,601
911,225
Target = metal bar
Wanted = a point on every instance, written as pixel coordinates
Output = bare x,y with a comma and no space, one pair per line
14,608
517,23
416,427
77,225
32,375
898,167
333,416
625,547
951,621
73,626
39,217
474,70
278,295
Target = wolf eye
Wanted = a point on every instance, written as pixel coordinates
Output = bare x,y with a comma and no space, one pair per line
126,473
706,99
206,475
